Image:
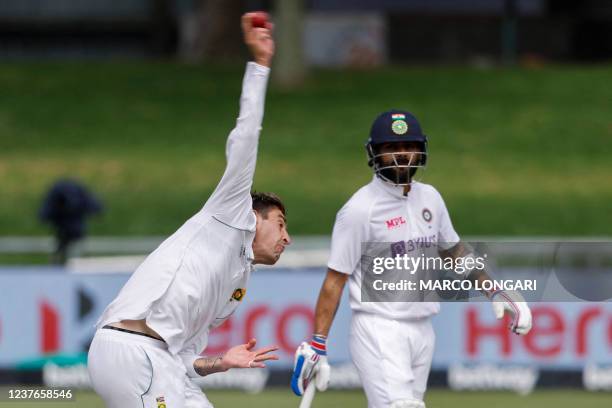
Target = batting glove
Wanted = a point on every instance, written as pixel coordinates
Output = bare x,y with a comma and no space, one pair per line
514,303
311,363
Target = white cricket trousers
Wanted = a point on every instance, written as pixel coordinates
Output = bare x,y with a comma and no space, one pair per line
132,371
393,357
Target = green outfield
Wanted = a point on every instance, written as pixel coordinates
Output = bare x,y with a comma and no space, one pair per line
514,152
334,399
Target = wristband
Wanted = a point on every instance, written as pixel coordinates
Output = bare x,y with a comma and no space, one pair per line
318,344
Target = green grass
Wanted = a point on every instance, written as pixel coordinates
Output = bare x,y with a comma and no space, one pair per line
434,399
514,152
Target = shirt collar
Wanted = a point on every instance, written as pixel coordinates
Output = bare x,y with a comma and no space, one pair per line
395,191
250,255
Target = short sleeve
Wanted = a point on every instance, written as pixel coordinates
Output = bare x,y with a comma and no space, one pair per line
188,357
447,236
350,230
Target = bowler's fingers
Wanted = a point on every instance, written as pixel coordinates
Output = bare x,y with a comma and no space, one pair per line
247,27
250,344
255,364
266,357
265,350
247,22
261,34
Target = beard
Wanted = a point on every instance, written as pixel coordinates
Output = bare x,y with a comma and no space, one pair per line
399,175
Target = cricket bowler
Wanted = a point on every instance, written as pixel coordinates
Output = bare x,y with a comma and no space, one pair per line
149,339
391,343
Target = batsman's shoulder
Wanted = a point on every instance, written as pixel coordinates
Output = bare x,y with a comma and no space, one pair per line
427,190
358,206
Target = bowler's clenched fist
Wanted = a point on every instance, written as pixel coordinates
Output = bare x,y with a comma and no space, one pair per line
258,39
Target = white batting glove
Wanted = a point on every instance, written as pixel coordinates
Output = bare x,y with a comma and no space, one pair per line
310,363
513,303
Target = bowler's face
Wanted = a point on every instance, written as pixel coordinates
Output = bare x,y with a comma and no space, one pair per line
271,237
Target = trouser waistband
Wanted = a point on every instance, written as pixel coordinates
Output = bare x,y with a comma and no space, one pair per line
131,332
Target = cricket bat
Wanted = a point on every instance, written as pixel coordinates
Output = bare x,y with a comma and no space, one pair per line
308,396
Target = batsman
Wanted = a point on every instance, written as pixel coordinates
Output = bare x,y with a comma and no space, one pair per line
391,343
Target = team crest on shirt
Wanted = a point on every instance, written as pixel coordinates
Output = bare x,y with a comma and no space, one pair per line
238,294
161,402
427,215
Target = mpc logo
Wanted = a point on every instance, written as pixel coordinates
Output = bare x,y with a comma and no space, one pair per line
395,222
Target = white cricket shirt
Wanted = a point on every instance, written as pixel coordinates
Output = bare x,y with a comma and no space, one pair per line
379,212
187,285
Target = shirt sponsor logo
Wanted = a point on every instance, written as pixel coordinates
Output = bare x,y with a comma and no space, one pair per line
398,248
421,242
161,402
395,222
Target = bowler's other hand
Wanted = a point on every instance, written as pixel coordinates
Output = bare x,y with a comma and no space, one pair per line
244,356
258,39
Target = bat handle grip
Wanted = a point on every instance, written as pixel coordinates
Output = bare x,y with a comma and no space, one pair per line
308,395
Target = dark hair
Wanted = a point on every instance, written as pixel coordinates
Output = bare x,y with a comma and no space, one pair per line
263,202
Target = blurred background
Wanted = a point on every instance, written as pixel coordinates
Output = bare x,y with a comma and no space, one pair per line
113,121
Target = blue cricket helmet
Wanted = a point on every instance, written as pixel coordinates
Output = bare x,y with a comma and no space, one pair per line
395,126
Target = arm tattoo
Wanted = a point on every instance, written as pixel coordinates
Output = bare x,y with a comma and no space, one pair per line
208,365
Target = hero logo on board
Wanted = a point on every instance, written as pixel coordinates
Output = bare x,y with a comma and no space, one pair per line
553,333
